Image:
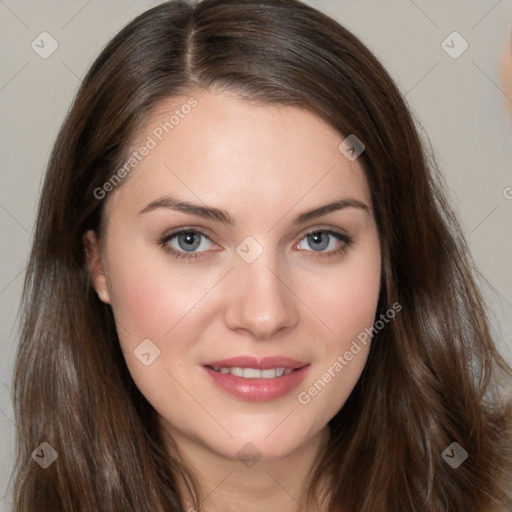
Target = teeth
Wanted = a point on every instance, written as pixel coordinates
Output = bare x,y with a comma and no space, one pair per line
254,373
251,373
238,372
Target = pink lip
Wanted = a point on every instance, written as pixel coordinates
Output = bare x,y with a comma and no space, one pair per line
257,390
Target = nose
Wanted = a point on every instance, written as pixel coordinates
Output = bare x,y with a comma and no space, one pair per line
261,302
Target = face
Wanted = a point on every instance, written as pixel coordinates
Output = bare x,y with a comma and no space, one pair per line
238,293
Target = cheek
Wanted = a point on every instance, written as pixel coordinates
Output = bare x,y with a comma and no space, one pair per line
150,293
139,301
156,299
347,304
347,300
151,301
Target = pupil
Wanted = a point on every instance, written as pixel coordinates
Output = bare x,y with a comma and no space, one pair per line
321,240
187,243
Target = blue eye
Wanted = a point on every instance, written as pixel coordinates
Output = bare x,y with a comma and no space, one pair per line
189,240
325,242
190,244
184,243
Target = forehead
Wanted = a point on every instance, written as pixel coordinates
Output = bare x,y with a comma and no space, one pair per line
221,149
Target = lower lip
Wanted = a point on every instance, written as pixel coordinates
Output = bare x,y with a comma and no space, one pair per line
258,390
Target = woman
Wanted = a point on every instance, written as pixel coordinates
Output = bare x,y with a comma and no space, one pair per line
247,289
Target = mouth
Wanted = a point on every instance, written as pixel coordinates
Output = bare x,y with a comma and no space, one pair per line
257,378
253,373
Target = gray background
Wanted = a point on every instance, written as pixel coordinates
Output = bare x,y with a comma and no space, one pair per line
457,101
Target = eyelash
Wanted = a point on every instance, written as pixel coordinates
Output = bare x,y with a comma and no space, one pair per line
163,242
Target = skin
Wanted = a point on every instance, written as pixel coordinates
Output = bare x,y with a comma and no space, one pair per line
264,165
506,75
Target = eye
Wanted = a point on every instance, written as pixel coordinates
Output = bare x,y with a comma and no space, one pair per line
190,244
186,243
325,242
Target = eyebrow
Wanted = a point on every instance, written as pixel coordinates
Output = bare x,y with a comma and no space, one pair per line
219,215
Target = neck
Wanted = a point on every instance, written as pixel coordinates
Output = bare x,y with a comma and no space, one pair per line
231,485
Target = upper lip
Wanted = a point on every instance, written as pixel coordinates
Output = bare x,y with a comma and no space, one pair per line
259,363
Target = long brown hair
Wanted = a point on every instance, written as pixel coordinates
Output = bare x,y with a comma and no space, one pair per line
432,375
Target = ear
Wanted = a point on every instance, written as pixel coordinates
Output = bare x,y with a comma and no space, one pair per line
96,268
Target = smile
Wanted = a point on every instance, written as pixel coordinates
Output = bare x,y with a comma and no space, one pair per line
254,373
257,379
